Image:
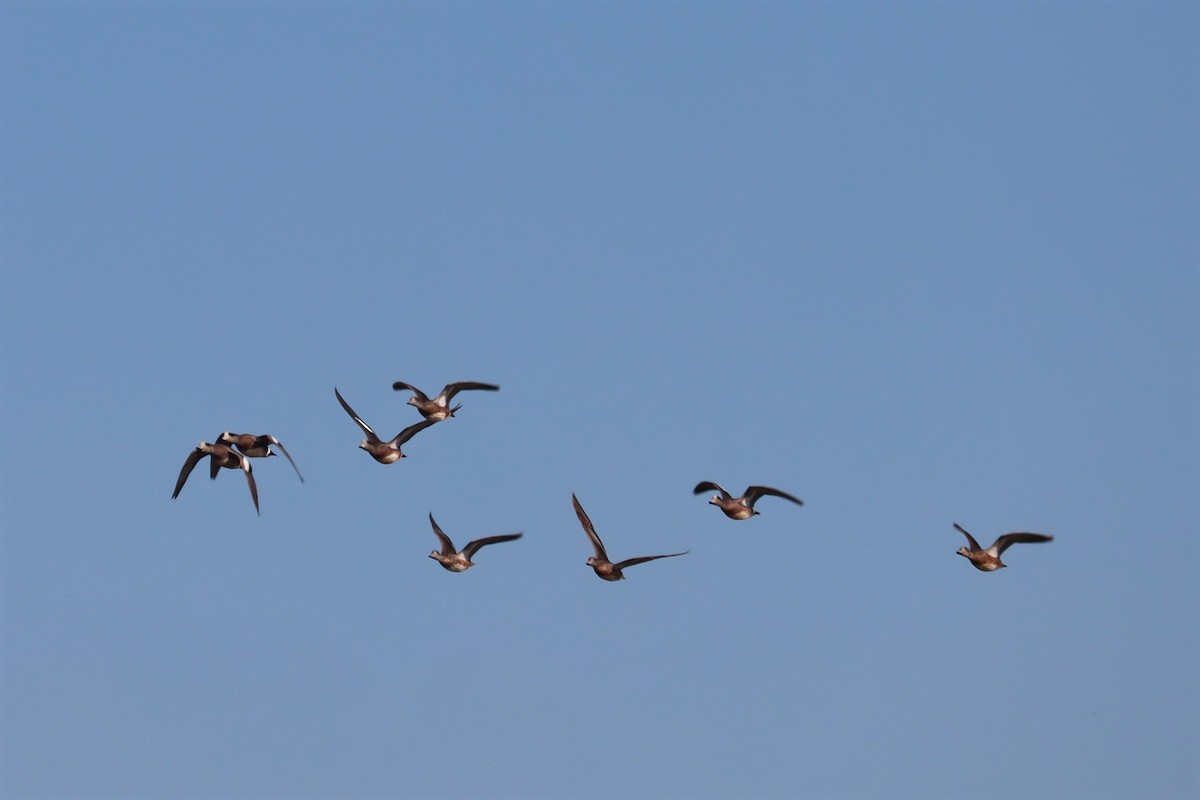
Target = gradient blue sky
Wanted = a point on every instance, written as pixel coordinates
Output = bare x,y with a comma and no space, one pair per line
916,263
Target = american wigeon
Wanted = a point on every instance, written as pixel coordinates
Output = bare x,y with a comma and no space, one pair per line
740,507
257,446
604,568
222,455
383,452
988,560
456,561
439,408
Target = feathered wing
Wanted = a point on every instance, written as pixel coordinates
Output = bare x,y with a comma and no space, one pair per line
462,386
411,431
400,386
709,486
447,545
974,545
473,547
192,460
1009,539
282,449
755,492
629,562
357,419
588,528
245,467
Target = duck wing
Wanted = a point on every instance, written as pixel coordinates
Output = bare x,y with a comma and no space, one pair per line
411,431
447,545
709,486
245,467
589,529
1009,539
755,492
973,545
629,562
371,437
400,386
266,439
192,460
462,386
473,547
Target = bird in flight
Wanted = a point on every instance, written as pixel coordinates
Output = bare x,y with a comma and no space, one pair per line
439,408
384,452
988,559
222,455
460,561
604,568
256,447
740,507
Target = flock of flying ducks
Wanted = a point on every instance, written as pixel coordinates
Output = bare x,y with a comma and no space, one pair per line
234,451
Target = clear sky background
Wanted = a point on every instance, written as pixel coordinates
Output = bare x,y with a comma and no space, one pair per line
915,263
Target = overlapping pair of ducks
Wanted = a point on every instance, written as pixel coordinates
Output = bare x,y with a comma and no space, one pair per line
234,451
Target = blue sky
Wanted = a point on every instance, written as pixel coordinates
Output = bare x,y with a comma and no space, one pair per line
915,263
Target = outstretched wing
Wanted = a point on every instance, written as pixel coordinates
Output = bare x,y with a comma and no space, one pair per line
462,386
357,419
755,492
588,528
192,460
447,545
1009,539
970,539
267,439
245,466
473,547
400,386
629,562
411,431
709,486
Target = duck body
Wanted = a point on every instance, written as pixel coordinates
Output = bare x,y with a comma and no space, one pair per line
384,452
454,560
987,559
438,409
740,508
600,563
257,446
221,456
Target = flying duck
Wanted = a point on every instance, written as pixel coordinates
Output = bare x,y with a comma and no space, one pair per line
604,568
989,560
383,452
222,455
439,408
740,507
455,561
256,447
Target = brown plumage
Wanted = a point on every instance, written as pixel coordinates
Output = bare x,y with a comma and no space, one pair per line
740,507
604,568
456,561
439,408
222,455
258,446
384,452
988,559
